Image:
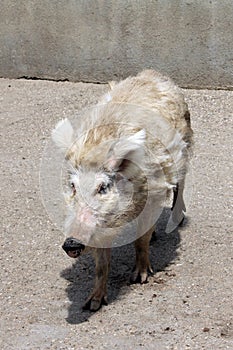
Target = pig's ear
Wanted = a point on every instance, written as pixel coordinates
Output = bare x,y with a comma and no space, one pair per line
62,135
126,153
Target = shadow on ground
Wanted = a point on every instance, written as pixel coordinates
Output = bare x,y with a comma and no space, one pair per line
163,252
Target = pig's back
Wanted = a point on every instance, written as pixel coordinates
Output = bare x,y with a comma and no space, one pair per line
150,91
148,101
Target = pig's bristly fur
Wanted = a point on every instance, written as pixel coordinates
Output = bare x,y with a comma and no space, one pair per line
148,103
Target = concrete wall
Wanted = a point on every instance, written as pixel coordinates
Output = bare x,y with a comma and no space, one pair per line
190,40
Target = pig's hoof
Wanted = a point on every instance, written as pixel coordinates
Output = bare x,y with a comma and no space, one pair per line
94,303
140,275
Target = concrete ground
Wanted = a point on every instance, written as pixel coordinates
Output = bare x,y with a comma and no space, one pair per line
187,304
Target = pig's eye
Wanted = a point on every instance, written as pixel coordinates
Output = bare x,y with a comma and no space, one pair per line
73,188
103,188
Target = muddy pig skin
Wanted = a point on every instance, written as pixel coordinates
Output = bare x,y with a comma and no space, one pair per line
126,155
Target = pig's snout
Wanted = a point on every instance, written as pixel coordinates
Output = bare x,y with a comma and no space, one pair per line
73,247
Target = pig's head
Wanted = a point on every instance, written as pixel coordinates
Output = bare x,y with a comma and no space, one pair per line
104,184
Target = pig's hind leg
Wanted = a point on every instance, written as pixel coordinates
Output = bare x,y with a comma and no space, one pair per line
99,295
178,208
142,266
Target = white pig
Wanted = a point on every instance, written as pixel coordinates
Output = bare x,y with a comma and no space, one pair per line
126,155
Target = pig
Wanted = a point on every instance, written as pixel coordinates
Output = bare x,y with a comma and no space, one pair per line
126,156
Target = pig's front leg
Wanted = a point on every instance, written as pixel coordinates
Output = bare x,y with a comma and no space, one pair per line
142,266
99,295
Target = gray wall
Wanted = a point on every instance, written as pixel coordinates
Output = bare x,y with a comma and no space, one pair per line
192,41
